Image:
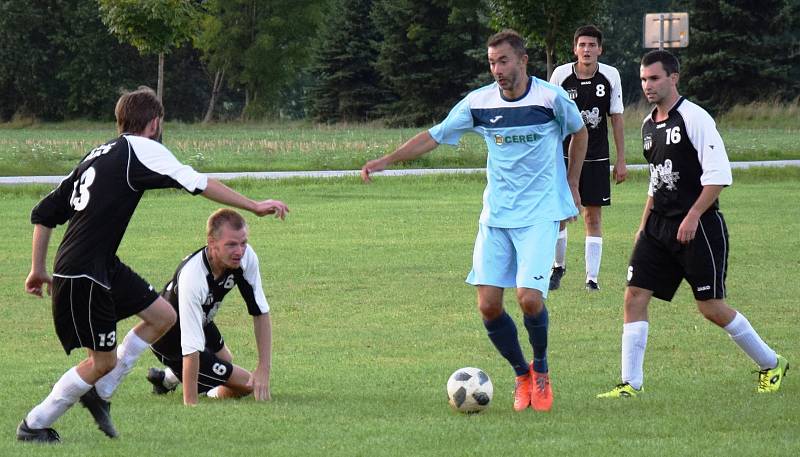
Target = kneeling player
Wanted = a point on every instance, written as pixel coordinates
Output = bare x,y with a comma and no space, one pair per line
193,349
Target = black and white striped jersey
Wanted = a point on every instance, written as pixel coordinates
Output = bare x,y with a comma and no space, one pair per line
596,97
98,199
685,153
196,295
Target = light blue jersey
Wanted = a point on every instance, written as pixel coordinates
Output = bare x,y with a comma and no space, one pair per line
526,176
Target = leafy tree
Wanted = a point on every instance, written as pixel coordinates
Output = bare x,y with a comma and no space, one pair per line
152,27
261,46
426,56
549,23
346,84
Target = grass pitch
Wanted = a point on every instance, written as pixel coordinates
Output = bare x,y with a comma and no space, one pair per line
371,316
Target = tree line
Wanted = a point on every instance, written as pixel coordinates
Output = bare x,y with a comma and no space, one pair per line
405,62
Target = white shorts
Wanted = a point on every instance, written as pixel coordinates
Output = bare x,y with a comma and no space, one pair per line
514,257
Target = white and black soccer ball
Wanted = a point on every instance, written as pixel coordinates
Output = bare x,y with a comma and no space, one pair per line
469,390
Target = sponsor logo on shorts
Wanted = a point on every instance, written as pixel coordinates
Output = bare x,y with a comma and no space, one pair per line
605,199
538,277
630,272
703,288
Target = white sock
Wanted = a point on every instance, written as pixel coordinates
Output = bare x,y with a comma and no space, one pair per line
170,380
127,354
593,252
743,334
634,342
65,393
213,393
561,249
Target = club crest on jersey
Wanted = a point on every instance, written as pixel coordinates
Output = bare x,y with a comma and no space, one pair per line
663,176
573,93
647,142
591,118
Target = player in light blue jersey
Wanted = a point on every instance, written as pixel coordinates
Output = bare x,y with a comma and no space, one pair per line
524,121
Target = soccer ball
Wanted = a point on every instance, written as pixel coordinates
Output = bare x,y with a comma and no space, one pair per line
469,390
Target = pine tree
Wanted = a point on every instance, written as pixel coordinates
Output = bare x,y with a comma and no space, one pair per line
347,86
426,55
738,52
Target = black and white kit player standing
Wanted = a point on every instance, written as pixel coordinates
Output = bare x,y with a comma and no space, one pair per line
92,288
596,89
194,350
682,234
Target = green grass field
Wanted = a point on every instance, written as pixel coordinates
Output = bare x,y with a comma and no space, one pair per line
371,316
53,149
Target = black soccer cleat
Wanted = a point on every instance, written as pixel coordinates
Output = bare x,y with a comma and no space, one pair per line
592,286
100,411
156,378
555,277
37,435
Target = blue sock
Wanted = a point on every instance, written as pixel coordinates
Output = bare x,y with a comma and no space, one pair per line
537,335
503,334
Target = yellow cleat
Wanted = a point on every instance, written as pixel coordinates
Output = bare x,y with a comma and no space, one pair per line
769,380
623,390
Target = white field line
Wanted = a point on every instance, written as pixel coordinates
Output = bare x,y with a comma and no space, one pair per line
341,173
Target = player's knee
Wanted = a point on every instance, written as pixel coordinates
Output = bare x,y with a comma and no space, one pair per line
103,365
531,304
490,310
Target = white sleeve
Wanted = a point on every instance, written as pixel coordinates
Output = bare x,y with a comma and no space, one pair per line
616,106
157,158
257,304
561,73
703,134
192,293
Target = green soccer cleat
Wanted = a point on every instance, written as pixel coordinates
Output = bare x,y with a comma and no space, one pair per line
623,390
769,380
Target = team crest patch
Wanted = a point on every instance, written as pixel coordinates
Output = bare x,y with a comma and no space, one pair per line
647,142
573,93
498,139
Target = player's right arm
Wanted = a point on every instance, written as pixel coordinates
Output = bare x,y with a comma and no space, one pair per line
192,292
191,369
420,144
449,131
38,275
648,205
52,210
220,193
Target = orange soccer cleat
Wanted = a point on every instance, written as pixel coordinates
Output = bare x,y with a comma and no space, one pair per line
542,393
522,392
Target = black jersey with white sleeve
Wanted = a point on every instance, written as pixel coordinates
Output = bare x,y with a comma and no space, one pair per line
197,295
685,153
98,199
596,97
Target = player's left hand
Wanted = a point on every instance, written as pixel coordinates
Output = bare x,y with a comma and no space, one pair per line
620,172
259,381
687,229
276,207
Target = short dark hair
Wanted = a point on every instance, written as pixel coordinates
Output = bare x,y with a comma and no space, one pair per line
135,109
222,217
590,31
508,36
667,59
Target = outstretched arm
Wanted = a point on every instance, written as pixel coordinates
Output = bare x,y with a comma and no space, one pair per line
220,193
38,275
420,144
259,379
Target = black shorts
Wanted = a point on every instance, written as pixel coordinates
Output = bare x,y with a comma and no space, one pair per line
595,184
659,262
86,313
213,370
